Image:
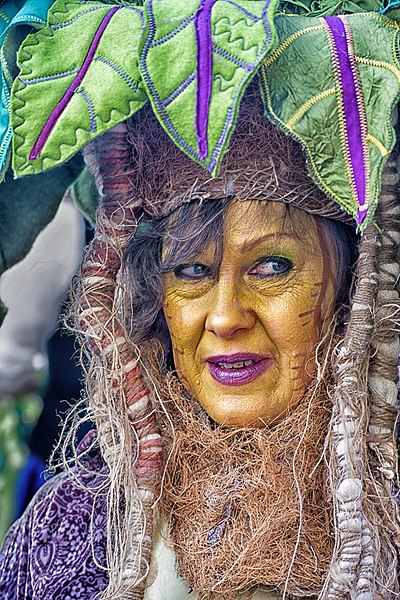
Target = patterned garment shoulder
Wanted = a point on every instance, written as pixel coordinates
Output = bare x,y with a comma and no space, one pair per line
57,548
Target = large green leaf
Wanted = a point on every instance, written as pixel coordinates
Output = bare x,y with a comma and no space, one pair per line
304,94
79,77
196,59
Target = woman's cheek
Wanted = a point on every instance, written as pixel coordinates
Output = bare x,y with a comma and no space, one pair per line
289,319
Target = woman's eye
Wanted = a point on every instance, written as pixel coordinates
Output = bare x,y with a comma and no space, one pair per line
192,271
271,266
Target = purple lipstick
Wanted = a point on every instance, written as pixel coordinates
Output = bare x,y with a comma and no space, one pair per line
237,369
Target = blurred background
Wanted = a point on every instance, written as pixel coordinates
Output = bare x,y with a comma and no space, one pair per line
40,377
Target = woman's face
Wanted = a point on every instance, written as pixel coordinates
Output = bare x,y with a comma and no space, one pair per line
244,333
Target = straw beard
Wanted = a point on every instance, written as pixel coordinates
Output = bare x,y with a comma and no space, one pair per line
246,507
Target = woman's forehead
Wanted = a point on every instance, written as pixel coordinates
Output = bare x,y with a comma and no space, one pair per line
249,223
238,226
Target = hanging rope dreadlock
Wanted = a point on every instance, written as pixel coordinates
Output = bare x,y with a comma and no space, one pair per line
116,387
365,557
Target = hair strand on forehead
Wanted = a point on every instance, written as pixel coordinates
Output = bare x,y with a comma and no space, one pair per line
164,243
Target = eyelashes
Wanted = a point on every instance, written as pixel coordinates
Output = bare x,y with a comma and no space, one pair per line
192,272
266,267
271,266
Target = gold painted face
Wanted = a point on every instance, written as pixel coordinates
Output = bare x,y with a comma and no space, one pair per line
244,334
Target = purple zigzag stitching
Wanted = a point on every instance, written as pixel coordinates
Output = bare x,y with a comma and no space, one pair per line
146,75
202,24
353,109
63,103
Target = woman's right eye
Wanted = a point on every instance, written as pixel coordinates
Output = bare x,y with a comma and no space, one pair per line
194,271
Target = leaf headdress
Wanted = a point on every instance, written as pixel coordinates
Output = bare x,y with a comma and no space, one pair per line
329,73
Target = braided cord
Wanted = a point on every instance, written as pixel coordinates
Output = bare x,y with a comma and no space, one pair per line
120,400
362,449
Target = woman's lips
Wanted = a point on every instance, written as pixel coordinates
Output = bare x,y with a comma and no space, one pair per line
237,369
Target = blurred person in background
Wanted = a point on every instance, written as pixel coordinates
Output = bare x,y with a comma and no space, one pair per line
32,341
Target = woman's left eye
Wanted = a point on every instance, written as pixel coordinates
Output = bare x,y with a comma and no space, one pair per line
271,266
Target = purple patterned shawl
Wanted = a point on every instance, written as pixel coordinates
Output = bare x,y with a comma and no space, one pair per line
48,553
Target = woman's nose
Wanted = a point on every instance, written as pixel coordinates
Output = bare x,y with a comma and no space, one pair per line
227,314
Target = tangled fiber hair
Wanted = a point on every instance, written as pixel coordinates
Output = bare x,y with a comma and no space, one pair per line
271,166
138,170
247,506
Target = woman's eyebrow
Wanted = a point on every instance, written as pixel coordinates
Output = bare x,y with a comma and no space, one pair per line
249,245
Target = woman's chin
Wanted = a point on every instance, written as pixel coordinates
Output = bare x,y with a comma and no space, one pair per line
231,413
260,403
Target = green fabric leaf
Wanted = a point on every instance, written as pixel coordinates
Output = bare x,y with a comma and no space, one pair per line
394,14
305,97
17,18
241,34
324,8
79,77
